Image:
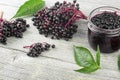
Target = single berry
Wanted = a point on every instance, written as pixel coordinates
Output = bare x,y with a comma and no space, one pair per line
53,46
74,1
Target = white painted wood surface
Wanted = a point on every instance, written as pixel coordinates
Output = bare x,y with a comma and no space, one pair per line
58,63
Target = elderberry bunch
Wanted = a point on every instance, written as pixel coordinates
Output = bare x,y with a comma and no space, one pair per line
58,20
18,27
15,28
37,48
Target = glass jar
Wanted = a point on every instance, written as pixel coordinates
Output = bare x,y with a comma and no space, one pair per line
107,39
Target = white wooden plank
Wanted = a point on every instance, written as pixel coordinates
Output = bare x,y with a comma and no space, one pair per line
86,5
94,2
8,11
14,3
47,69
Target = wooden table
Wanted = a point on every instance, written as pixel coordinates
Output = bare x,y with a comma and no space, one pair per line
58,63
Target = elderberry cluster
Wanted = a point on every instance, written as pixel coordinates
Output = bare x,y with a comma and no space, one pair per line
58,20
15,28
107,20
37,48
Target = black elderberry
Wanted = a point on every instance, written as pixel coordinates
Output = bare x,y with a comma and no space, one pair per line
27,25
37,48
67,39
52,37
77,5
57,3
64,2
46,35
74,1
47,45
53,46
77,8
18,34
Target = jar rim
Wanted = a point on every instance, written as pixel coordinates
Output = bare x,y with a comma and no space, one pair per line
110,31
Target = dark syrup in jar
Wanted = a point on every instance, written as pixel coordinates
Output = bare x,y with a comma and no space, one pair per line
104,30
106,43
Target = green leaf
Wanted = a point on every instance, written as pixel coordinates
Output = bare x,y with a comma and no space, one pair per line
98,56
83,57
119,62
29,8
88,69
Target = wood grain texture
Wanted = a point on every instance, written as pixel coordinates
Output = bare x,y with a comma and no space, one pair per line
58,63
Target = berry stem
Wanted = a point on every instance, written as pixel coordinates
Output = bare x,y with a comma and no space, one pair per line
71,19
1,34
81,14
76,13
1,17
30,45
1,14
27,46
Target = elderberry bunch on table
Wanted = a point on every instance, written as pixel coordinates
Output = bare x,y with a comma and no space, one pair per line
58,20
14,28
37,48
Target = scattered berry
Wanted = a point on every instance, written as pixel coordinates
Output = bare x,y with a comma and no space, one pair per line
53,46
74,1
58,20
37,48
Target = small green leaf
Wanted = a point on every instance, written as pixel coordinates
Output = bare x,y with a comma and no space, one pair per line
98,56
88,69
29,8
119,62
83,57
